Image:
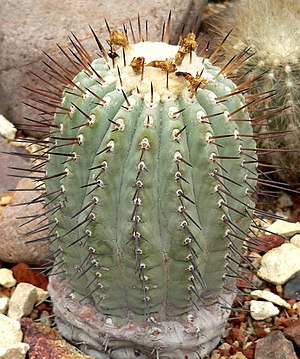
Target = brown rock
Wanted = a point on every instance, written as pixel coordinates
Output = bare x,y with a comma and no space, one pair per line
293,332
7,183
275,346
46,343
268,242
30,27
14,248
24,274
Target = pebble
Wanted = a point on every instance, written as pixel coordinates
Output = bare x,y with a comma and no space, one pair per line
257,282
296,306
284,228
6,278
255,259
22,301
296,240
275,346
271,297
285,200
45,319
262,310
3,304
292,288
15,351
7,129
10,339
238,355
280,264
225,346
41,294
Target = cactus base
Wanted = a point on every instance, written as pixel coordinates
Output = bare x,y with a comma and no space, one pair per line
97,336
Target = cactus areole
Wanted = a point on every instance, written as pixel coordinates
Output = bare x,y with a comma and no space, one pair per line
149,175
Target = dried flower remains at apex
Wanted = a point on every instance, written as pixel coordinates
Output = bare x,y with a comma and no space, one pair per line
139,65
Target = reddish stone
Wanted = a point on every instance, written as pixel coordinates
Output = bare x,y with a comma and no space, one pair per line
46,343
23,273
296,215
229,340
240,319
292,332
251,338
260,332
291,312
238,335
291,302
43,307
281,321
249,352
233,350
7,292
224,353
267,242
242,283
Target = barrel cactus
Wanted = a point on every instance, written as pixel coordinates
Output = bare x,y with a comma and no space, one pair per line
150,170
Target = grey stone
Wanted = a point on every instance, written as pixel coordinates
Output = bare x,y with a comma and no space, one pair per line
29,27
275,346
291,289
14,248
45,319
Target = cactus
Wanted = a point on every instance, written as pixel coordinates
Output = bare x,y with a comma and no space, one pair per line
275,55
150,175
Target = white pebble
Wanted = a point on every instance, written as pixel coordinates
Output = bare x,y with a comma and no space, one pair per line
41,294
15,351
296,240
262,310
3,304
7,129
280,264
297,307
271,297
225,346
22,301
6,278
10,331
284,228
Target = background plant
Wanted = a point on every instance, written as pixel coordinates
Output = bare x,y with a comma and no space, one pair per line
270,31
